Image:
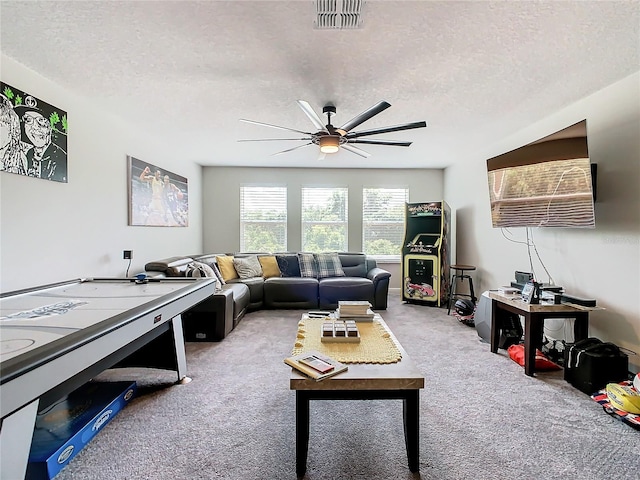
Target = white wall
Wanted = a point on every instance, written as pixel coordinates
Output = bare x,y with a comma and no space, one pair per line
53,231
601,263
221,209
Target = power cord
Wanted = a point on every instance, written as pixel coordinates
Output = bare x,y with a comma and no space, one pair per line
533,243
128,266
530,242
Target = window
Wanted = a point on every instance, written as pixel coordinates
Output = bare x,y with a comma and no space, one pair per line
383,221
263,219
324,219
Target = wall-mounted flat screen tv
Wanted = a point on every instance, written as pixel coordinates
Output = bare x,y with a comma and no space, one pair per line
547,183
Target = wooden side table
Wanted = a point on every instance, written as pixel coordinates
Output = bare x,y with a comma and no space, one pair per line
534,316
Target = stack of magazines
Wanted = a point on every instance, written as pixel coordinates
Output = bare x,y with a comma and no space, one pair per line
359,310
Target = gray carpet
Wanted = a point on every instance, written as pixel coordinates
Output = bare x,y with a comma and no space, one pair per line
480,416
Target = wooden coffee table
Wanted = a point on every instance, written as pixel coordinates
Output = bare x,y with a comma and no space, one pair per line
393,381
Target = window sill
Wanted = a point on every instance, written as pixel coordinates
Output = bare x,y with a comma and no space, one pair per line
391,259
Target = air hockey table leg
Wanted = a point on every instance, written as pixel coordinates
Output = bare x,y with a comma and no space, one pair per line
15,441
181,356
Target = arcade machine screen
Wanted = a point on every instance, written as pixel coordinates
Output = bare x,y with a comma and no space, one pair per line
421,271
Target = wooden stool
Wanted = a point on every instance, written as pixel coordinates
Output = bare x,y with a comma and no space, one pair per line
459,274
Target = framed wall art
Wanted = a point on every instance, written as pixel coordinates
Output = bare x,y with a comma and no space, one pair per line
157,197
33,134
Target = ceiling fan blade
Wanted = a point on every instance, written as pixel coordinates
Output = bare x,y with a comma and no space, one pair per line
313,116
383,142
274,126
355,150
291,149
271,139
363,117
395,128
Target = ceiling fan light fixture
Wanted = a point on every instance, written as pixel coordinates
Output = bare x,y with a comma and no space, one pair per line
329,143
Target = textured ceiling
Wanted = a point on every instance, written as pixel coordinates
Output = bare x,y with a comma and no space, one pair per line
187,71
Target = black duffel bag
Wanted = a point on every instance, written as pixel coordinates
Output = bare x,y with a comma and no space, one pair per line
590,364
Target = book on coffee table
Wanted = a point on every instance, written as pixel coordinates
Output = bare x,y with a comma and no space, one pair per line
315,365
354,309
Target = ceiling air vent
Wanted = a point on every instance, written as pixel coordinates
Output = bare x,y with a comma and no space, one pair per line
338,14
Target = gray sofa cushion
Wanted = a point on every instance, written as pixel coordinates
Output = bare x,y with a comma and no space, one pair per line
241,300
331,290
290,292
256,290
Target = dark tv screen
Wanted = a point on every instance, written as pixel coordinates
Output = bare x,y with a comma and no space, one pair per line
547,183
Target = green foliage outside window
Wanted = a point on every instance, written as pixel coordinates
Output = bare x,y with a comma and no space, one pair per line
325,222
325,238
261,237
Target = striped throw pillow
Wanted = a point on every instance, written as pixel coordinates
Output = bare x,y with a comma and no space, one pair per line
329,265
308,267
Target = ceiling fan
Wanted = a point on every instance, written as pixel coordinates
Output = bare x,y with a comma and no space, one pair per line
331,139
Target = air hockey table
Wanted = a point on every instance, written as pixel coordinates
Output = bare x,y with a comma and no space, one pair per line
54,338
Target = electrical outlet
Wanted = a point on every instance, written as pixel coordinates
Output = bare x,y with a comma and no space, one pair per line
127,254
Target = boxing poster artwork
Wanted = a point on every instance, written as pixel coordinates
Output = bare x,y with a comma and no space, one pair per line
33,136
157,197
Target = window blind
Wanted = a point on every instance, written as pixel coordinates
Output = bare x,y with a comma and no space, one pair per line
383,221
263,218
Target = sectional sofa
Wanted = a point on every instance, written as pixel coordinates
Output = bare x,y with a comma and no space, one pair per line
251,281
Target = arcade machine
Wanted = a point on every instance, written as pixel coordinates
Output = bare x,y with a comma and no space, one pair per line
426,253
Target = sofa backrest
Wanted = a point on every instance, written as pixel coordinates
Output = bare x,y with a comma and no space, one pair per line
354,264
209,258
171,267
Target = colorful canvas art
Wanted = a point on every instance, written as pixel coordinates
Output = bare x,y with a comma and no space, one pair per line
157,197
33,136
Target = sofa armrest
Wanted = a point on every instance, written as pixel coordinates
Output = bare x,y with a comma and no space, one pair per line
171,267
211,319
377,274
380,278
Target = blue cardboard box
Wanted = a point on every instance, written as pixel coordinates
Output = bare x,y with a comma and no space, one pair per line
64,428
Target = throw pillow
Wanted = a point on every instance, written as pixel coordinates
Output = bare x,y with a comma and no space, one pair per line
199,269
227,269
288,265
308,266
218,273
269,266
329,265
214,266
247,267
